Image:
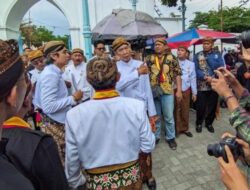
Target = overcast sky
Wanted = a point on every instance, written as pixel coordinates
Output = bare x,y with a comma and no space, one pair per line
45,14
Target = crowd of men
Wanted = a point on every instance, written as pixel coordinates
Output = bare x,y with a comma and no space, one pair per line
98,121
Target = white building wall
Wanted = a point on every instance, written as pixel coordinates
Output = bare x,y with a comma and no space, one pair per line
73,12
171,25
13,11
98,9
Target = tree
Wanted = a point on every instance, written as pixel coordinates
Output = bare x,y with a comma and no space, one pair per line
235,19
36,36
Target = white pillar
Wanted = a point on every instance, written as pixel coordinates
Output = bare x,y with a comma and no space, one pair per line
76,37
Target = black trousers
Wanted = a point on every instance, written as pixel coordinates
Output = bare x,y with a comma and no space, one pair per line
206,106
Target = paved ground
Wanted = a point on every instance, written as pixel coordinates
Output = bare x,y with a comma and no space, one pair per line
189,167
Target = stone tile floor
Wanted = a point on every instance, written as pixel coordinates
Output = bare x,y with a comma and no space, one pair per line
190,167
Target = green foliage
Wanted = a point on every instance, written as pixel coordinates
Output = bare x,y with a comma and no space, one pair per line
235,19
36,36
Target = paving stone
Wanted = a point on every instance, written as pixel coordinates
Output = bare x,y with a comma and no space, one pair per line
183,186
196,188
190,167
170,183
175,161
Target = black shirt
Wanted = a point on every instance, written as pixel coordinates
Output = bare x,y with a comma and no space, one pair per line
35,154
10,177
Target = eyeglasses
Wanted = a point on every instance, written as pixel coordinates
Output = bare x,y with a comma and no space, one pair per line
101,49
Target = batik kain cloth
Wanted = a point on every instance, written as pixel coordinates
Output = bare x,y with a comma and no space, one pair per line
145,166
57,131
116,177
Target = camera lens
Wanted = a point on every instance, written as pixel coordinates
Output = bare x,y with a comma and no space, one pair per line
214,150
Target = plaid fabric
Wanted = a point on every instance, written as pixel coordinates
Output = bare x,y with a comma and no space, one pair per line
57,132
121,179
240,117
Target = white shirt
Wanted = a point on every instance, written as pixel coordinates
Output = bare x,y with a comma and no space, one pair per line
77,76
188,76
135,86
34,76
105,132
51,94
35,73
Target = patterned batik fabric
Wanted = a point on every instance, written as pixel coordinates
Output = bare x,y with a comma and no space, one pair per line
145,160
57,131
121,179
203,85
165,73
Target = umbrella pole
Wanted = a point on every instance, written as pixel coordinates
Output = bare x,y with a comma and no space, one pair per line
193,51
143,54
221,46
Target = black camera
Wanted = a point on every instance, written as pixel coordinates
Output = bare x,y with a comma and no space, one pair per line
218,149
138,43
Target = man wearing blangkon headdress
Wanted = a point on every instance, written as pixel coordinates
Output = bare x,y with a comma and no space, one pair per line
206,62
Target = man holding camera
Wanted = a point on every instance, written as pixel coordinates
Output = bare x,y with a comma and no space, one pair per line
231,175
206,62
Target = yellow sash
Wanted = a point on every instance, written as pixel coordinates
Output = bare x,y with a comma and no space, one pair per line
103,94
159,67
16,121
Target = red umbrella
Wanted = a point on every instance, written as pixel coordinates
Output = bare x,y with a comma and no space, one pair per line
194,36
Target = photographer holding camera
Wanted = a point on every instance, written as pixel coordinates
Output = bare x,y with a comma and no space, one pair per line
231,175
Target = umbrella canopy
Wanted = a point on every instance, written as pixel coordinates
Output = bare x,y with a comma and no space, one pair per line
127,23
194,36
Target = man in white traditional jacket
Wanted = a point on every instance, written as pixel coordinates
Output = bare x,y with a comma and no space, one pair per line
75,74
106,134
51,95
37,60
134,83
